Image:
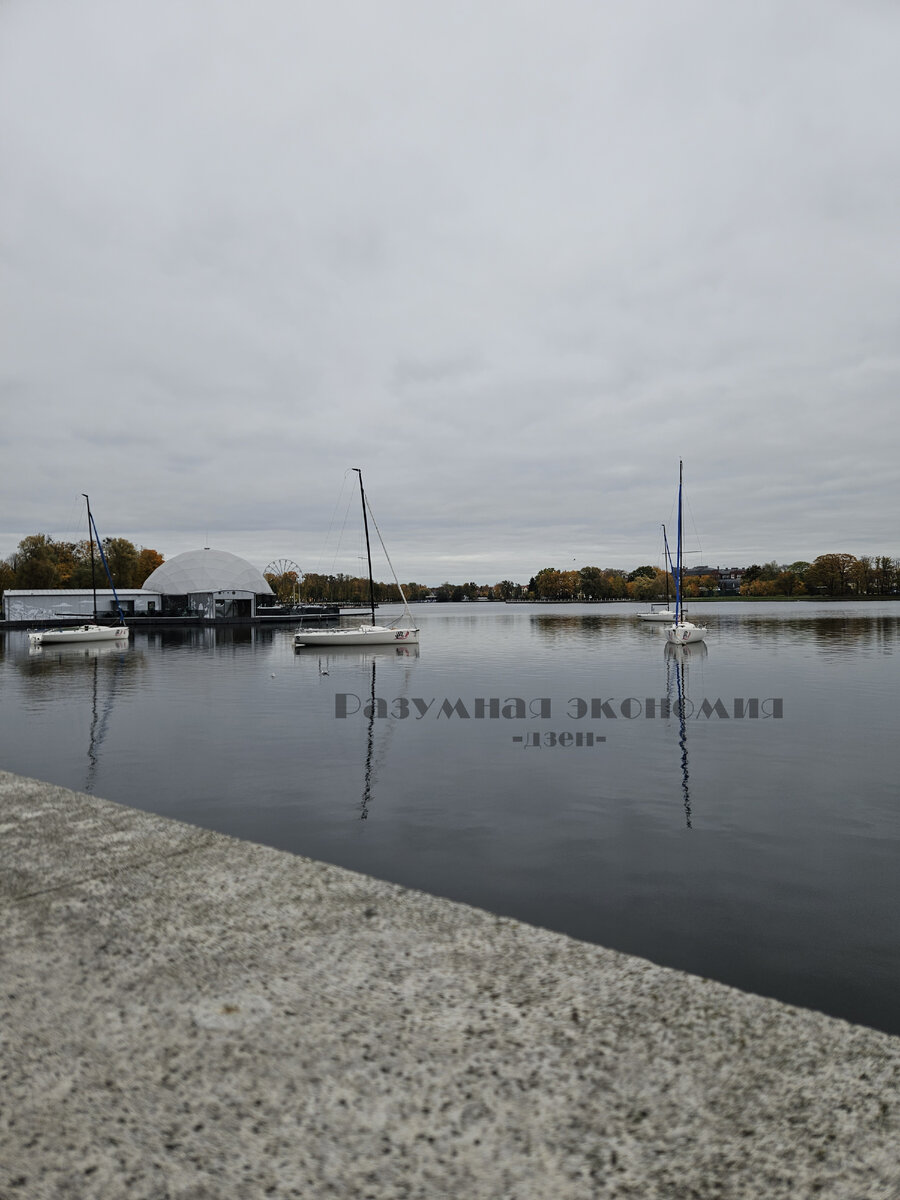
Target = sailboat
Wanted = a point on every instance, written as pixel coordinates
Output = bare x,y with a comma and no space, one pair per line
662,612
94,632
682,632
371,634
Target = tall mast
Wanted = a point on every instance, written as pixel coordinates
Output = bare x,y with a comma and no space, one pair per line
92,532
362,496
667,562
678,569
91,540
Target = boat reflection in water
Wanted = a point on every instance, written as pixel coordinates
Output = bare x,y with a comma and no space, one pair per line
349,657
106,664
678,658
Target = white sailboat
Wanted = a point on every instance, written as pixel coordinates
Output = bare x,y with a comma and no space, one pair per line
79,633
682,632
371,634
93,632
663,613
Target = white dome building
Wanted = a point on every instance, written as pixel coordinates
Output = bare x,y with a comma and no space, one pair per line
208,583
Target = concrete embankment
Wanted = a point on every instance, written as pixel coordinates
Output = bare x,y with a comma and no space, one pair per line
186,1016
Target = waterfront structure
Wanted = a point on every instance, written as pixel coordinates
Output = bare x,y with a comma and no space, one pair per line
75,604
205,585
211,584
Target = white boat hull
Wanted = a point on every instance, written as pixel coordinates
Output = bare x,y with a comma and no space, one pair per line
364,635
685,633
664,614
79,633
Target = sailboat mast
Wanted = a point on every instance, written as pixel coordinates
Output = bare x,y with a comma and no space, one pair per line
678,558
362,496
91,540
667,560
92,528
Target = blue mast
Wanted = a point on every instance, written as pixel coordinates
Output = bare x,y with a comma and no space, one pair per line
678,552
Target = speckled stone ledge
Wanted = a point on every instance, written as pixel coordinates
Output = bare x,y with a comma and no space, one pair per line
188,1017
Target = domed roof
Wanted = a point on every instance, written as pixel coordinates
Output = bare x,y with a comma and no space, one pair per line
206,571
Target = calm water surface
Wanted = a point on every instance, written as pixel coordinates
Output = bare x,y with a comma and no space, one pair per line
760,850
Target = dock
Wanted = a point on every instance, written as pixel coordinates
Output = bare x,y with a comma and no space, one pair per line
192,1017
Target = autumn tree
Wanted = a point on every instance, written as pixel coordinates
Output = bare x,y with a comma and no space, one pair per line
885,573
506,589
7,576
36,562
770,570
122,561
614,585
831,573
569,585
312,587
148,561
760,587
648,588
861,575
591,583
749,574
547,583
416,591
789,583
65,560
80,574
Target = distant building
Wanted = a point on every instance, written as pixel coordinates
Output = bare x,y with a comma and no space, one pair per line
728,579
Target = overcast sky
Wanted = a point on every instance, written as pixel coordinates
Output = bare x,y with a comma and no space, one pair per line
512,259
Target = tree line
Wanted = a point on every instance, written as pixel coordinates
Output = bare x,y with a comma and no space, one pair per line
835,574
40,563
829,575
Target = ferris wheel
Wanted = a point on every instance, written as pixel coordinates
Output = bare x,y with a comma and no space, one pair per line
283,566
285,577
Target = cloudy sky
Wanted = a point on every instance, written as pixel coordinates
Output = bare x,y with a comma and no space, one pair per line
512,259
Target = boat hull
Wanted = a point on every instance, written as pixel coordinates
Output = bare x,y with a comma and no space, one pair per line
663,615
684,633
79,633
364,635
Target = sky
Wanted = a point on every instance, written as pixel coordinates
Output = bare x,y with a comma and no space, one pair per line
514,260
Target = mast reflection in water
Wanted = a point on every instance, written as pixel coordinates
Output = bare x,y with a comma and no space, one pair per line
105,665
370,744
677,659
380,731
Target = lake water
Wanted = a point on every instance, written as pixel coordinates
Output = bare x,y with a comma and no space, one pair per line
750,836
